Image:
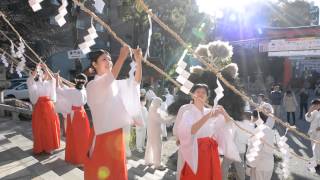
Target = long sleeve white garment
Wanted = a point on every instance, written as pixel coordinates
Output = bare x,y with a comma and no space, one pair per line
180,160
215,128
150,95
142,130
314,120
62,105
109,103
179,117
41,88
154,142
241,137
169,99
70,97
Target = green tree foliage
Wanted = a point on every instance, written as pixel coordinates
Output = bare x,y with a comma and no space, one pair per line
181,15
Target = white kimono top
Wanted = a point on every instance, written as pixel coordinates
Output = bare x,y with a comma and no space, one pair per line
144,116
68,97
314,120
113,103
62,105
215,128
179,117
241,137
169,99
41,88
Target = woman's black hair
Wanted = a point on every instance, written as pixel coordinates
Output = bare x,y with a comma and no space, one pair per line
142,98
94,55
247,115
81,80
262,115
200,86
289,92
315,102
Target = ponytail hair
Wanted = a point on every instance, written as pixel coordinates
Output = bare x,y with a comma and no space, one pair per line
81,80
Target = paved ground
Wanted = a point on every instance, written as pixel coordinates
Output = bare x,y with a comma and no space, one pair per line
18,162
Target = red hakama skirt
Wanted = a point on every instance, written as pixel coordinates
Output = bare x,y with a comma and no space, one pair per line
108,159
208,162
45,127
77,136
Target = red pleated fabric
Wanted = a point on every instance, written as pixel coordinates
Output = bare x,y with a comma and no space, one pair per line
45,126
208,162
77,137
108,160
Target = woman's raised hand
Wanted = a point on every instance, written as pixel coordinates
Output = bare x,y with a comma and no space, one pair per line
124,51
138,55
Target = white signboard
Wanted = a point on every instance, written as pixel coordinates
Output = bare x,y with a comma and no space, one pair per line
75,54
297,44
294,53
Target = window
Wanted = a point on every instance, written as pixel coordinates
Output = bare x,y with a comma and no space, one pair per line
99,27
55,2
81,24
53,21
22,87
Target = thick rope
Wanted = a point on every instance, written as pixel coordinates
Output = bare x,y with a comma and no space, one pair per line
216,72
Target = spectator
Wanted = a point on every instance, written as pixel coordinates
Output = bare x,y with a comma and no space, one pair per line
276,97
290,104
304,96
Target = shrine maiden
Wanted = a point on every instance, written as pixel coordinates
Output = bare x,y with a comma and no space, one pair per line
141,131
201,131
174,131
154,140
45,121
78,127
313,116
114,104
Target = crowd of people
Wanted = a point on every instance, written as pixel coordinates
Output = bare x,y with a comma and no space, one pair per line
204,135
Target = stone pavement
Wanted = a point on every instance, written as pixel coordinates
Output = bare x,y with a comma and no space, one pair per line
18,163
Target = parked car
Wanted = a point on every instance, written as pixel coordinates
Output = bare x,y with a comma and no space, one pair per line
18,91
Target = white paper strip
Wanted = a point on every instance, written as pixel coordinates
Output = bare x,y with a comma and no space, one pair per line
11,68
188,84
99,5
181,79
92,32
60,20
84,47
4,60
35,5
185,74
149,37
183,55
219,93
185,90
182,64
62,11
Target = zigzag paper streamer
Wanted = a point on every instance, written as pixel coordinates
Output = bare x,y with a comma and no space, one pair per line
4,60
35,5
149,37
219,93
62,12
